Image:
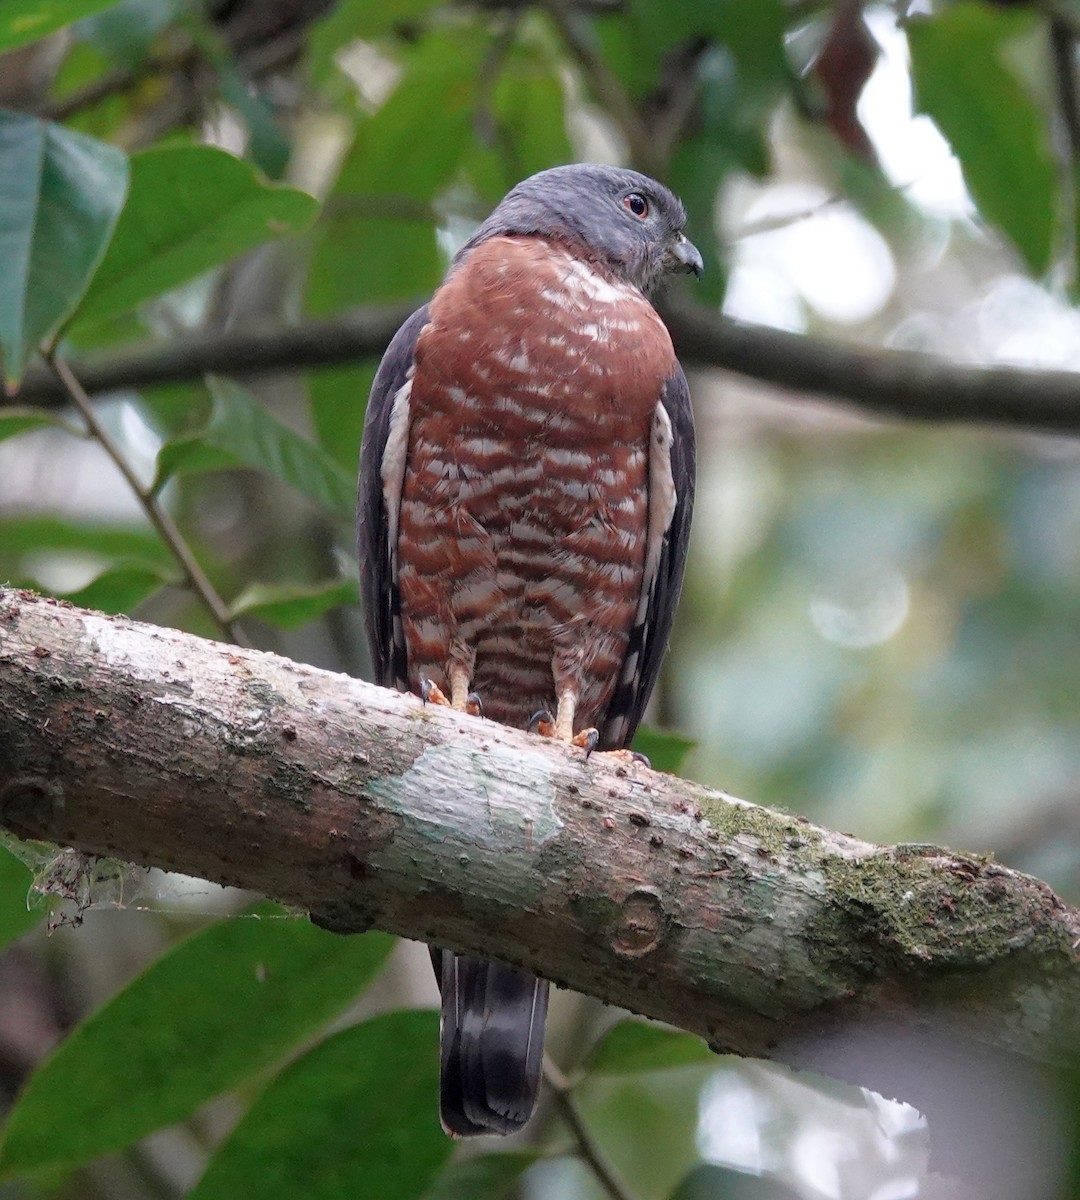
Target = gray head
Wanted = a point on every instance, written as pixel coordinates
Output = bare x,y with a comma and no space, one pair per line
627,221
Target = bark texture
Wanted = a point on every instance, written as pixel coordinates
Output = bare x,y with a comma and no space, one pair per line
747,926
900,384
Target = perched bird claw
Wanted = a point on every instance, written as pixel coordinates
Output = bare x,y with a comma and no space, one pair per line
541,722
587,740
474,706
431,693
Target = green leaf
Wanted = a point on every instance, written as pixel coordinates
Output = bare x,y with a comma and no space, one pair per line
409,149
289,606
354,20
997,131
268,147
242,433
634,1046
218,1008
122,588
190,208
83,65
698,169
526,116
710,1182
1074,282
175,409
15,917
481,1177
60,196
741,79
403,155
355,1117
665,750
125,32
338,403
14,420
24,535
638,40
23,21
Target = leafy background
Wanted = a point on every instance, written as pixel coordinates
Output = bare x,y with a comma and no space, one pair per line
881,628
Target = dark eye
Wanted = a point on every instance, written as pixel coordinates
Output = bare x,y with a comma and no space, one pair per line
637,204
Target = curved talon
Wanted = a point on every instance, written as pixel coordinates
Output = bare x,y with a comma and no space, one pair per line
431,693
587,740
474,706
644,759
541,722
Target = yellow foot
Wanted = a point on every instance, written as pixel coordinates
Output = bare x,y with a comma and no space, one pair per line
586,740
541,722
431,693
545,725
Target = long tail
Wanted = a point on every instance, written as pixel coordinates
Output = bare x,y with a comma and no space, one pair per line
492,1044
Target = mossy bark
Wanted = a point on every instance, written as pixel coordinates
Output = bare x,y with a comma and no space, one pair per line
747,926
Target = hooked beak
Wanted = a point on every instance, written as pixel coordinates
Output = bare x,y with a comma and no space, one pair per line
687,255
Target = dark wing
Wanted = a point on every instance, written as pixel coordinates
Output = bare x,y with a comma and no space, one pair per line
378,589
665,564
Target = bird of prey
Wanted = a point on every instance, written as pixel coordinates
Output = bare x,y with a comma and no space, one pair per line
526,483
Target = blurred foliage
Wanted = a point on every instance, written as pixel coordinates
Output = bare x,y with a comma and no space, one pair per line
61,196
881,625
244,992
16,915
217,209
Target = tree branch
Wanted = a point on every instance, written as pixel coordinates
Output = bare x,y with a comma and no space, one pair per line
898,384
749,927
359,334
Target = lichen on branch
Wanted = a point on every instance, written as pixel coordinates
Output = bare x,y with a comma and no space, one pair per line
752,928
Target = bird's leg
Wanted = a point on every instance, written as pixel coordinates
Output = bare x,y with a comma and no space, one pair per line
459,669
459,687
564,724
566,667
564,715
562,728
461,699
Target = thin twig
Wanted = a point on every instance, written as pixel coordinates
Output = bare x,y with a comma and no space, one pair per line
1063,55
486,125
783,221
159,517
253,60
1063,40
587,1148
605,85
116,82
